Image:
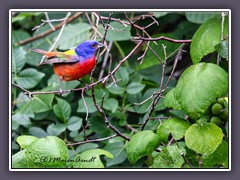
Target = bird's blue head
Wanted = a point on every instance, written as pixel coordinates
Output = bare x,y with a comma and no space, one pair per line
87,49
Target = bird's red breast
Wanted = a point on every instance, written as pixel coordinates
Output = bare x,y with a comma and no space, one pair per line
74,71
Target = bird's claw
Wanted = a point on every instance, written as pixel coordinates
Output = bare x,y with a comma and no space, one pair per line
61,92
87,87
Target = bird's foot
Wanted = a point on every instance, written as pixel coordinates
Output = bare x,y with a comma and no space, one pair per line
87,87
61,92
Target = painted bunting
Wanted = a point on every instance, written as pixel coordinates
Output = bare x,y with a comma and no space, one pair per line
72,64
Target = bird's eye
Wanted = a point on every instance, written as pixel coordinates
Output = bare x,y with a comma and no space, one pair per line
93,45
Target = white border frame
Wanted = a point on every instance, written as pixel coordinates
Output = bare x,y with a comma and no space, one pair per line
115,10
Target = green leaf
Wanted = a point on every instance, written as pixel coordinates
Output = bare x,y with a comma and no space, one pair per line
24,15
203,138
159,14
18,60
38,132
199,86
27,107
136,98
149,73
206,38
90,159
170,101
99,126
116,148
150,59
41,103
222,49
169,157
74,123
185,30
29,78
49,152
122,76
73,35
118,33
42,43
20,160
174,126
99,93
24,140
15,124
62,110
90,105
219,157
85,147
111,105
19,35
54,83
38,104
55,129
141,144
118,90
200,17
135,87
23,117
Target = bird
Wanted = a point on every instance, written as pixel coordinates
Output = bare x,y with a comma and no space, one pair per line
72,64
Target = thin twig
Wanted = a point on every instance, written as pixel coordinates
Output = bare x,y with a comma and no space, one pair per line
170,142
84,131
222,25
58,26
97,14
109,125
85,104
49,22
93,140
144,54
162,38
222,35
99,108
59,35
161,89
128,23
93,27
133,26
92,84
104,64
128,126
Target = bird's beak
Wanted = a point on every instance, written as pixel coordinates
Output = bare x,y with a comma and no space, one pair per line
100,45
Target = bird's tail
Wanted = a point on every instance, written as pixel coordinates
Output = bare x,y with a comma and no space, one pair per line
39,51
45,53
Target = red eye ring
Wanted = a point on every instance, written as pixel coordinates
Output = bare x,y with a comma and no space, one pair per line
93,45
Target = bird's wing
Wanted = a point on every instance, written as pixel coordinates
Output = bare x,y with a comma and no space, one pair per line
56,60
64,57
67,55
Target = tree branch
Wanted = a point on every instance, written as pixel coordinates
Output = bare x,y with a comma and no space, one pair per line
93,140
163,38
58,26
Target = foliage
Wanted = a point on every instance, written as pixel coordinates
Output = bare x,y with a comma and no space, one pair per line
150,104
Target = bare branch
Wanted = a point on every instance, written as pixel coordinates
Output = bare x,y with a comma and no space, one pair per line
163,38
49,22
58,26
161,89
222,35
85,104
109,125
91,141
59,35
93,83
104,64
